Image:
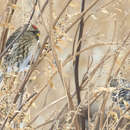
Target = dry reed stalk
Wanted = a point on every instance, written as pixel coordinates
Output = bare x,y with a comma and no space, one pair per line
8,17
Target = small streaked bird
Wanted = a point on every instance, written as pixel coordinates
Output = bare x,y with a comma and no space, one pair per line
23,50
121,93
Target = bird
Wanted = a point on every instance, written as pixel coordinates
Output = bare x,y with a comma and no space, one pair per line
121,93
25,49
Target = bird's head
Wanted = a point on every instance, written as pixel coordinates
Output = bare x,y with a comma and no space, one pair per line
32,28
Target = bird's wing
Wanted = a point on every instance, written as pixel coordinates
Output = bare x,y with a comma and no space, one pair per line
13,36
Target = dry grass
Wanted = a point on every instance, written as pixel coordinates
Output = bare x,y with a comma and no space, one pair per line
60,92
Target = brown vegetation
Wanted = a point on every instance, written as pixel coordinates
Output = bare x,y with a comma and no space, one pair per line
67,88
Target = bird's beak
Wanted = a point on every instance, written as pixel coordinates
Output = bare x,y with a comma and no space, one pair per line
38,34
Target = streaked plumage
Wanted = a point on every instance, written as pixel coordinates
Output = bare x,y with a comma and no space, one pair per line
21,53
121,95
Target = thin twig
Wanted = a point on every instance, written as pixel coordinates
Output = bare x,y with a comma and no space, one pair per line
52,42
43,8
46,108
29,72
43,124
3,125
2,54
76,66
77,20
91,75
22,107
7,48
118,122
102,110
123,61
82,15
118,51
76,62
61,13
7,21
40,14
23,85
63,10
